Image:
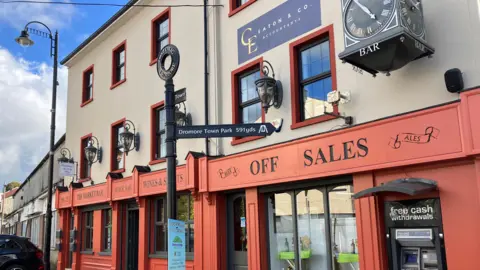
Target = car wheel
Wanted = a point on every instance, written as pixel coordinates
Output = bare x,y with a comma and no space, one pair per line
16,267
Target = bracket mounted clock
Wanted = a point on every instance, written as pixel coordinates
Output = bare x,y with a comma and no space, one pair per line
383,35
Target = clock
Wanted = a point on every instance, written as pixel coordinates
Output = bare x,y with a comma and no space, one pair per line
366,18
412,17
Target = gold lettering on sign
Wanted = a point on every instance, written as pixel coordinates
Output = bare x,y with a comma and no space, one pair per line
89,195
162,181
250,43
123,188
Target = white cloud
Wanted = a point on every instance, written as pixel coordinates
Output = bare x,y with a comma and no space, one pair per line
25,101
54,16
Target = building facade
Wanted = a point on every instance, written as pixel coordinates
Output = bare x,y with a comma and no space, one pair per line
29,204
8,226
323,192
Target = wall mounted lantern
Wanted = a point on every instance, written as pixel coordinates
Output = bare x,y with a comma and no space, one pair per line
269,90
182,117
93,151
129,140
66,156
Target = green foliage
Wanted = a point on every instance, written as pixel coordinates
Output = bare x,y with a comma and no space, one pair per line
12,185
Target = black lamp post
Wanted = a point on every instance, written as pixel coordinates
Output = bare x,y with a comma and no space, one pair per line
24,40
167,72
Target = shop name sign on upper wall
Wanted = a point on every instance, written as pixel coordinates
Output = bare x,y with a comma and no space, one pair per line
279,25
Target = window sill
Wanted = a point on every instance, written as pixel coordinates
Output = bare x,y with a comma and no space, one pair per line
157,161
105,253
86,252
84,180
117,84
86,102
153,62
238,141
240,8
312,121
119,171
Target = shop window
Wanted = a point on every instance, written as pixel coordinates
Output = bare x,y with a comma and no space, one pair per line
159,149
185,213
87,243
238,5
246,104
119,65
313,77
87,86
35,231
160,34
107,230
298,222
84,167
239,224
53,234
117,161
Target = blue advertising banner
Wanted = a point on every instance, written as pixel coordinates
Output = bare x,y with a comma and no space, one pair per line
176,244
279,25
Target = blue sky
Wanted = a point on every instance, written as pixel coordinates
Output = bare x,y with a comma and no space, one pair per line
26,78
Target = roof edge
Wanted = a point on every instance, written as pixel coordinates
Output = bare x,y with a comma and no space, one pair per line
100,30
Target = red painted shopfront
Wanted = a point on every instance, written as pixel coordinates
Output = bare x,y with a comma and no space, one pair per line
254,209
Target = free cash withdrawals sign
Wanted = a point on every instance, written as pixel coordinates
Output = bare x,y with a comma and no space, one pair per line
281,24
176,245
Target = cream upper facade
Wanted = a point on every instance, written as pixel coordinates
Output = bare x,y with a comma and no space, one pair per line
451,28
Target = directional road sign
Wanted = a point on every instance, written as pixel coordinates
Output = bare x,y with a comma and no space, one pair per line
217,131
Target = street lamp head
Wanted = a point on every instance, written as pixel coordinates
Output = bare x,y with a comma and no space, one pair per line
268,89
24,39
93,152
129,140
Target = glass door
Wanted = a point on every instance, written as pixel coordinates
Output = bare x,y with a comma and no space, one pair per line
312,229
237,232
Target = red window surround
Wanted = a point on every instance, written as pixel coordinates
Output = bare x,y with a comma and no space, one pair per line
153,34
120,46
86,100
234,8
113,152
294,75
256,64
153,133
82,176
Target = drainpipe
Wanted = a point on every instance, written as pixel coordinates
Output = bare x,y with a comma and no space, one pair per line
205,43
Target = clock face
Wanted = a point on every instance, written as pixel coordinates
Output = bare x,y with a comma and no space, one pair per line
412,16
366,18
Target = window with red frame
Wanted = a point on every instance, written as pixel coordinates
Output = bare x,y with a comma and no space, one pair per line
314,78
84,167
87,91
249,106
161,33
87,231
119,64
118,155
159,132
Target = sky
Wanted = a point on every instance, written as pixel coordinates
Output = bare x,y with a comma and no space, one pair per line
26,78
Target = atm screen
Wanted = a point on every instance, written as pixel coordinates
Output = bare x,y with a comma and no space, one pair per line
411,258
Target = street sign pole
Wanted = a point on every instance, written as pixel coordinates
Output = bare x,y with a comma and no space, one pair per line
167,72
171,156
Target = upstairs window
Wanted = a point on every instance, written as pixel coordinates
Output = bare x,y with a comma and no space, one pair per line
87,230
160,34
87,87
84,166
238,5
313,69
159,149
119,65
117,153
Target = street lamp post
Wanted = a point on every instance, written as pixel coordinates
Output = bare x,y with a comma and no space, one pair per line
24,40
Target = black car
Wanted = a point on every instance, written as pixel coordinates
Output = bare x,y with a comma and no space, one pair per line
18,253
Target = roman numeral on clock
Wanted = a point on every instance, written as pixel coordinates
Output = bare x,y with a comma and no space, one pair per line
353,27
369,30
385,12
350,19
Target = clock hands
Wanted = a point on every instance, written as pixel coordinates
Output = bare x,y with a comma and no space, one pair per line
366,10
415,4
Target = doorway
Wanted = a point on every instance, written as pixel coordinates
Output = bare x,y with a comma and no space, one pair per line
71,240
132,237
237,232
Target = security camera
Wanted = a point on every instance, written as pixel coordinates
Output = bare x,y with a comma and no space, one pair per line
336,97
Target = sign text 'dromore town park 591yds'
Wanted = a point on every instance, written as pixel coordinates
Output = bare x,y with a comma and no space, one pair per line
216,131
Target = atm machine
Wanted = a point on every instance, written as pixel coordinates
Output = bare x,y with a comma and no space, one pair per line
415,235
